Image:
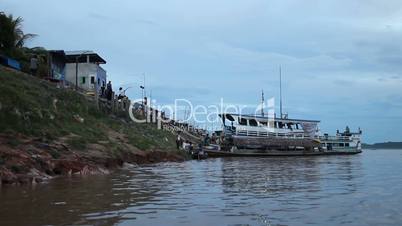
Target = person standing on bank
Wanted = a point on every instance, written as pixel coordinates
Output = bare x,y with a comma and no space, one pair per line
102,94
109,91
33,66
178,141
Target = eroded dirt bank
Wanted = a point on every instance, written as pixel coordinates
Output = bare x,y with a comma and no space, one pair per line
25,160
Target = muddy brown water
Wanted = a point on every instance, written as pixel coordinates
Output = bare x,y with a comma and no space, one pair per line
364,189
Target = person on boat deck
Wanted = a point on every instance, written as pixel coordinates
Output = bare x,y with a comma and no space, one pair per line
213,139
221,139
206,139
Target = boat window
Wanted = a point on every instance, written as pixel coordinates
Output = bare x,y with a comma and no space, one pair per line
252,122
341,144
280,125
346,144
264,123
229,117
243,121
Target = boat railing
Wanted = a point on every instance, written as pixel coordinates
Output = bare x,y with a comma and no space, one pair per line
254,133
335,138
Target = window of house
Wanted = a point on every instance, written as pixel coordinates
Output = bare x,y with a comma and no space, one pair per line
92,79
83,80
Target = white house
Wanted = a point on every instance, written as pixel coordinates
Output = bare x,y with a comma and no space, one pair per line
83,69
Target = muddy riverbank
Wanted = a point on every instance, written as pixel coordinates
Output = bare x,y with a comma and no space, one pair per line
25,160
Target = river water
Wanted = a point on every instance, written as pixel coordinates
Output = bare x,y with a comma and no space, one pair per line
364,189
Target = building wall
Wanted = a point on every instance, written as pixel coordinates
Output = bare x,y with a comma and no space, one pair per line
102,78
88,75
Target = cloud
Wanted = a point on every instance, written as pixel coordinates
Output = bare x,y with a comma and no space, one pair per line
98,16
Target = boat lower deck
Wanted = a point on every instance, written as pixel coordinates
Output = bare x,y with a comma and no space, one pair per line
239,153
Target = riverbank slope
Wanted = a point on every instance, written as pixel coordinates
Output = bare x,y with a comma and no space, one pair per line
47,131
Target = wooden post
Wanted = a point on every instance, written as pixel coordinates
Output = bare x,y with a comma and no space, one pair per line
113,102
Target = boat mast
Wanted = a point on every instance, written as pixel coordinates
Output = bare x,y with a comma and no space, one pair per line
262,103
280,90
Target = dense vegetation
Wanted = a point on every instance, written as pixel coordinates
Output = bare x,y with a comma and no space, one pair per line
13,40
37,108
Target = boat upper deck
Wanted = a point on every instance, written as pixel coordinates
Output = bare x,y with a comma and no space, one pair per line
233,117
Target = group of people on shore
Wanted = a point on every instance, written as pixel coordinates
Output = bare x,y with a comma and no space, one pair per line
107,92
189,146
196,151
186,144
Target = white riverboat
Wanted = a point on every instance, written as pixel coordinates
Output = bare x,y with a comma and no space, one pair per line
261,136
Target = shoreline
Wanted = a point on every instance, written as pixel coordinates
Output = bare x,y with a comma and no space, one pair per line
47,131
28,160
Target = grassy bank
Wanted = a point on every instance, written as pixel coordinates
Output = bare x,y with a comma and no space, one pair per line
36,110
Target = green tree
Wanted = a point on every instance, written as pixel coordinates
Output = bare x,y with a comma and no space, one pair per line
12,36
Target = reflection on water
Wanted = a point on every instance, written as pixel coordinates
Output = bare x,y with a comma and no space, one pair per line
352,190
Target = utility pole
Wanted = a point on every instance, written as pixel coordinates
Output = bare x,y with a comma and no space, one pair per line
144,84
143,90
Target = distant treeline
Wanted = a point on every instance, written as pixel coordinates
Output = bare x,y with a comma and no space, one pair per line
385,145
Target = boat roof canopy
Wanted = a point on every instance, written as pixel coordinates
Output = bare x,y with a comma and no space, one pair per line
231,117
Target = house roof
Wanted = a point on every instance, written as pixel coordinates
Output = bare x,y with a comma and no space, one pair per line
81,57
58,52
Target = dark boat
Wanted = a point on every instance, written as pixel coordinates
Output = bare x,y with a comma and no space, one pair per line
199,155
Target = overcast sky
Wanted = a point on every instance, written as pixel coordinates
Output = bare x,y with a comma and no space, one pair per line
341,60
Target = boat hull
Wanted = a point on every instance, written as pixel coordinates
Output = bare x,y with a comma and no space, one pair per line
273,142
277,153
